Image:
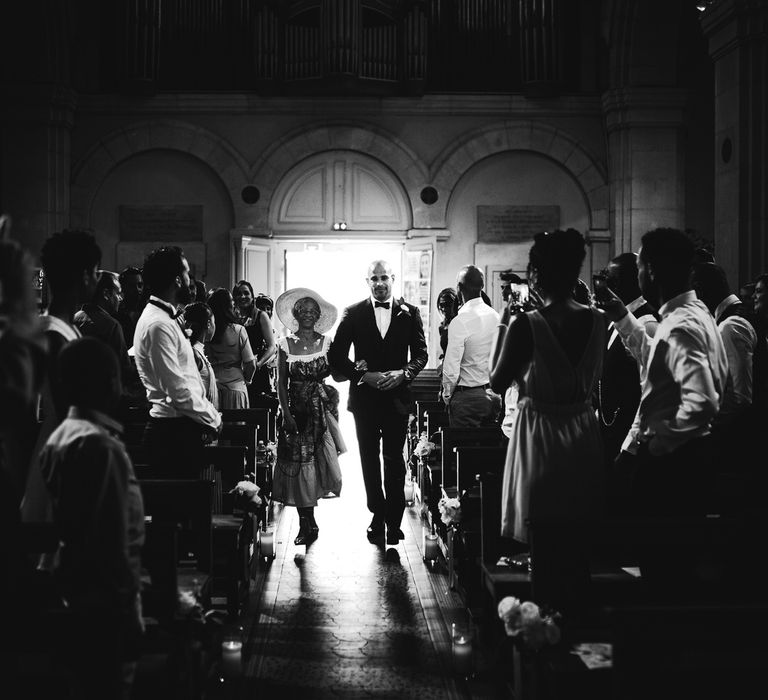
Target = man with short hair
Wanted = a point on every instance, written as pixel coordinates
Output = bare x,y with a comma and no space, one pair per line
181,418
685,384
99,515
97,317
384,332
70,261
466,391
132,303
741,418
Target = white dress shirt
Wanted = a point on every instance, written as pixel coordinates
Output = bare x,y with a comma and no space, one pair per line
687,371
166,365
470,336
648,320
383,316
740,341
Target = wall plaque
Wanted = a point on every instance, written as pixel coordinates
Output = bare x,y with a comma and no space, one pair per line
152,222
515,222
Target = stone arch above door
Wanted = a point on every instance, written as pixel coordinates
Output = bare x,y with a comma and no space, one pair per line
392,156
339,188
558,145
91,170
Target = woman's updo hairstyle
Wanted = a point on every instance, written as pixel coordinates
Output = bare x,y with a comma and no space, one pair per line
196,316
556,257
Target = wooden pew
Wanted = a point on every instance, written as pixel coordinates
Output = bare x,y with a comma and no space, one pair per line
188,504
471,463
708,651
448,438
422,407
232,528
263,418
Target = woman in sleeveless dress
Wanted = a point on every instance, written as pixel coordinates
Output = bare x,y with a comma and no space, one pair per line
258,326
553,467
229,351
310,442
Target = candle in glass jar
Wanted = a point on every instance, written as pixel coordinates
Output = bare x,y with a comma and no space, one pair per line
409,493
462,655
231,657
430,547
268,543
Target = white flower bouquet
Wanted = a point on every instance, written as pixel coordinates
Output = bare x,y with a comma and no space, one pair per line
424,446
450,510
524,620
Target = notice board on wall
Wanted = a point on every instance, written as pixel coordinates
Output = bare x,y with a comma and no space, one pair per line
512,223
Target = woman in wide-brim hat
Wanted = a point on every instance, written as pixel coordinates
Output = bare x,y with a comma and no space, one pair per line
309,442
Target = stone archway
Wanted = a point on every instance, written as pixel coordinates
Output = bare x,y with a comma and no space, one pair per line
390,151
554,143
90,172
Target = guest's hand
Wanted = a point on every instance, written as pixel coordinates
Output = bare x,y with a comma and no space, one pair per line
289,424
373,379
608,302
391,379
361,366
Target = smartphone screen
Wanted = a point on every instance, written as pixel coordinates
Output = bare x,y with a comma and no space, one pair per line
518,293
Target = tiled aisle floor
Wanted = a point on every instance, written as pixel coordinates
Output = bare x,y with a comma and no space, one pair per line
346,618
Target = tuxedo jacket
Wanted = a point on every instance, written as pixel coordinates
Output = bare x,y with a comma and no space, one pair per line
403,347
619,388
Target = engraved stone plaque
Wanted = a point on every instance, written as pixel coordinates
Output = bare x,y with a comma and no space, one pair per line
514,223
152,222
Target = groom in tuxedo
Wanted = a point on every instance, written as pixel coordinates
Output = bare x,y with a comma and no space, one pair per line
383,331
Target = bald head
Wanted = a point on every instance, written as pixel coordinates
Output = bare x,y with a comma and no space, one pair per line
469,282
380,280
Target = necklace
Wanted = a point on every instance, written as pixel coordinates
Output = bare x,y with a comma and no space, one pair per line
304,342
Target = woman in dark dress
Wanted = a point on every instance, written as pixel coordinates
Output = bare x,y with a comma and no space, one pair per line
259,328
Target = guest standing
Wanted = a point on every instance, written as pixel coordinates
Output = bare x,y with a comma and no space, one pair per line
181,418
447,307
618,390
199,321
554,463
687,376
258,326
99,514
132,303
307,465
70,263
230,353
465,386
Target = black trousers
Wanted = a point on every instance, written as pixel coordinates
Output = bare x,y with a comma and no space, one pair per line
381,429
175,447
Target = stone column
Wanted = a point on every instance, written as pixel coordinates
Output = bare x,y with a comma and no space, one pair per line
36,126
737,31
645,156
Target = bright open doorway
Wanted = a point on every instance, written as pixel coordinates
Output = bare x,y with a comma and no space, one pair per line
337,271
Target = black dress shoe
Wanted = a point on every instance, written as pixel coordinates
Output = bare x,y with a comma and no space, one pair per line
394,535
375,529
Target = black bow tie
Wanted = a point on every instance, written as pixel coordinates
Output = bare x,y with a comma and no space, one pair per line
173,314
382,304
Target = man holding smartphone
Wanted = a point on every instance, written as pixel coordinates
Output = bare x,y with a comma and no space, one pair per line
618,394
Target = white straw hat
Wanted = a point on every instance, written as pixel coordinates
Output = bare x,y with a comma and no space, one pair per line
284,309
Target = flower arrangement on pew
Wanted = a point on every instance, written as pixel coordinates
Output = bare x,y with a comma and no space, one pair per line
249,493
423,446
525,622
450,511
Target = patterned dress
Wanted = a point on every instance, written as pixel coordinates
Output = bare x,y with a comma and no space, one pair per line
307,465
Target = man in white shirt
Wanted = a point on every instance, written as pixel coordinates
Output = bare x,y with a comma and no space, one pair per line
687,372
181,418
465,386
